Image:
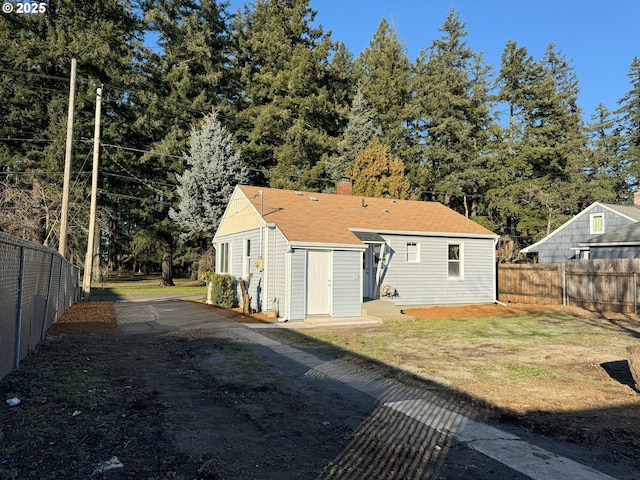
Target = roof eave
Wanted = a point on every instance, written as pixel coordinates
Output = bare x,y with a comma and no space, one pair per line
427,234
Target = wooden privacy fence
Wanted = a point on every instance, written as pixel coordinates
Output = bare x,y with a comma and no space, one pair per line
598,285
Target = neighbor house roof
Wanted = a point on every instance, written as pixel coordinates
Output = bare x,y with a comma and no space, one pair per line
328,218
629,235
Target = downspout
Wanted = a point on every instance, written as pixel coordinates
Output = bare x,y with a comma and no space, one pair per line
495,276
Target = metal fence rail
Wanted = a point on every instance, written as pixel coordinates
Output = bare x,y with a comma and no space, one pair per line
37,285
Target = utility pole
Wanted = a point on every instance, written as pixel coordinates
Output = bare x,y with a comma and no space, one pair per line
88,264
64,216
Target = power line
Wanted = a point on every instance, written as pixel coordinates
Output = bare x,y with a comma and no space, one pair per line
131,197
138,150
35,74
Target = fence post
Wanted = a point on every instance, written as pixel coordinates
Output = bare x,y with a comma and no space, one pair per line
563,275
46,303
18,332
59,289
635,293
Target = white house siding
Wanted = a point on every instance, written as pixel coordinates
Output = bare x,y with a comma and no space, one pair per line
275,269
346,296
236,245
427,282
298,280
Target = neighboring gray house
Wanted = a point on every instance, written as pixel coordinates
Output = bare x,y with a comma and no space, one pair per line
622,243
321,254
595,220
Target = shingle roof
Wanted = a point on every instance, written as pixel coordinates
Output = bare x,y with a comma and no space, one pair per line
625,235
327,218
627,210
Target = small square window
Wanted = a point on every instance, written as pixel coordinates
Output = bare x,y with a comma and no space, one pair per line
413,252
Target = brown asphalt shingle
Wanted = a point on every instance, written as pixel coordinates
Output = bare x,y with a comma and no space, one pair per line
329,219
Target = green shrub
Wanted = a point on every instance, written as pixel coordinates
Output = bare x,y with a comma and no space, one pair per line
221,289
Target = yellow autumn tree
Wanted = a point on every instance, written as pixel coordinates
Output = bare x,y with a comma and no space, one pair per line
375,173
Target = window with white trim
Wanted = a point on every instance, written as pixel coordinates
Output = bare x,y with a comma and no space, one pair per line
455,260
596,222
223,256
246,258
413,252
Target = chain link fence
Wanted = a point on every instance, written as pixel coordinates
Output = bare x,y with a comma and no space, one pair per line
37,285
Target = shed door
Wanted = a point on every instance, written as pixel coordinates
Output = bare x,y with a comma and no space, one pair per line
318,283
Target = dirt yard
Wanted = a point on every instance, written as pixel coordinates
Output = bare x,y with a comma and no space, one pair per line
89,395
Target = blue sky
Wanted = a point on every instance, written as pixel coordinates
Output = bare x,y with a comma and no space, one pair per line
600,37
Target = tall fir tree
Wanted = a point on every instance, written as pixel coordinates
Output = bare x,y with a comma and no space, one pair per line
105,38
288,112
452,103
383,74
542,181
605,169
630,112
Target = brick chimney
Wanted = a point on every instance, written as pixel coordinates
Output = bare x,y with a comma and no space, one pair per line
636,199
344,187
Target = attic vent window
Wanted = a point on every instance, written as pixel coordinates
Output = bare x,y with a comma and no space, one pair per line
596,223
313,199
385,210
394,201
298,193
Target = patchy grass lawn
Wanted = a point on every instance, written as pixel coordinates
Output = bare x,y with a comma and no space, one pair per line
132,284
560,369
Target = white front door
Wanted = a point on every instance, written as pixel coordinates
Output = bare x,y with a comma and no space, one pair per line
318,283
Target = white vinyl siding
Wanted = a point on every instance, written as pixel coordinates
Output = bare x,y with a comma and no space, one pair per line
298,283
427,282
346,297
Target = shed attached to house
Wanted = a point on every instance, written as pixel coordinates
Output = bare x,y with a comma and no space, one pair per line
322,254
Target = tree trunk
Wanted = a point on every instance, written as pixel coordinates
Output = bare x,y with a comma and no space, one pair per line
167,273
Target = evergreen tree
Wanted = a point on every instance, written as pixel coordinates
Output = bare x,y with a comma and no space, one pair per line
357,135
453,104
288,112
376,173
189,76
542,182
383,73
605,169
630,112
104,37
213,170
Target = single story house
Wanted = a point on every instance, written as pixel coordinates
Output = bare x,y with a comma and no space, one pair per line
323,254
597,219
